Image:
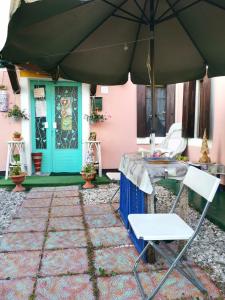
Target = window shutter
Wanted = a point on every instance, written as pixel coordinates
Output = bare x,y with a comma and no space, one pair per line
204,120
170,105
141,112
188,117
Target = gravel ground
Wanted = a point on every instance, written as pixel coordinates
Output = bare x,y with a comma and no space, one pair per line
208,250
9,203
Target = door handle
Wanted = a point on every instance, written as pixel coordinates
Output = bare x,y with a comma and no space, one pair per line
54,125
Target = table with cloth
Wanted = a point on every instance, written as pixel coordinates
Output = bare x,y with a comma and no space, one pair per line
137,186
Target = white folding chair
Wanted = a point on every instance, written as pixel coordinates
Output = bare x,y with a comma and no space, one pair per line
156,228
114,177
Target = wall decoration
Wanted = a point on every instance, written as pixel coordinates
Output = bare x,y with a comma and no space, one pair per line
4,99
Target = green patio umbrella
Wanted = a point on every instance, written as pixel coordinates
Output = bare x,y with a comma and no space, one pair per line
102,41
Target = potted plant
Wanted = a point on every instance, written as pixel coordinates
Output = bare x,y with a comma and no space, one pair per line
88,174
17,177
17,136
17,114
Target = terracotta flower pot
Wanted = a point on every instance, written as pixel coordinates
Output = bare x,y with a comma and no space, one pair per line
17,138
18,179
88,177
37,158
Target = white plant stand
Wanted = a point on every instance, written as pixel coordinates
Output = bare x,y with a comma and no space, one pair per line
18,147
90,147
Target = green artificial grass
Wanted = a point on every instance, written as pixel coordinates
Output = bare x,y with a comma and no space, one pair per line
38,181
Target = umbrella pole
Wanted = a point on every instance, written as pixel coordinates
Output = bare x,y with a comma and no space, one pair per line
152,66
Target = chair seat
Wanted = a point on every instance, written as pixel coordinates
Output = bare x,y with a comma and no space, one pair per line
156,227
115,176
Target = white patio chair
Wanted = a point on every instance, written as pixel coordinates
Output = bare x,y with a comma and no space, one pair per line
156,228
114,177
173,144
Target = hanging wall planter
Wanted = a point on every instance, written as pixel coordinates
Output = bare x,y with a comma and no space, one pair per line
4,99
17,114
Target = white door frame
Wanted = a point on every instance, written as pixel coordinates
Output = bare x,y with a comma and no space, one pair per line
26,126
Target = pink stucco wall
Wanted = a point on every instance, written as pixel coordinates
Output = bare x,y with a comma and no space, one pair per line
118,133
7,125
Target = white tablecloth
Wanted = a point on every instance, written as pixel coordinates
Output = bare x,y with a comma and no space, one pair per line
143,174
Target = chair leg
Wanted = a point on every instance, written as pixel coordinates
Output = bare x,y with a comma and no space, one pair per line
136,273
110,201
186,273
174,264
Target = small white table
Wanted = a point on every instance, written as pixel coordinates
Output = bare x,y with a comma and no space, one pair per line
95,145
12,147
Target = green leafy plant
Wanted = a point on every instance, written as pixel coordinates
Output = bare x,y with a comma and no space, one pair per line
89,168
16,170
16,157
16,113
102,271
182,157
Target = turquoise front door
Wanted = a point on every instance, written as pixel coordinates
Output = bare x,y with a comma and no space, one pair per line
57,124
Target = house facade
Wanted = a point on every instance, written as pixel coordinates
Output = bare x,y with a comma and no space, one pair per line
58,128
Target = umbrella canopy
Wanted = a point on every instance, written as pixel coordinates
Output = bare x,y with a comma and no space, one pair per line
102,41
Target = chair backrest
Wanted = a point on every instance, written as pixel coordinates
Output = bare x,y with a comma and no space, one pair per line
202,183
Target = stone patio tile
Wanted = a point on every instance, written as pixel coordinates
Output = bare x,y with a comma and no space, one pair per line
106,237
66,211
27,225
66,193
67,188
65,223
178,287
65,261
76,287
22,241
120,287
37,202
39,195
43,189
99,209
107,220
118,260
17,289
19,264
33,212
65,201
66,239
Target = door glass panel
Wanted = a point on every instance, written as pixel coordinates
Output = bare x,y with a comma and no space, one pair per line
40,119
161,109
66,117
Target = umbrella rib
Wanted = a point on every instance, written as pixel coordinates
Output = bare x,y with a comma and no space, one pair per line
214,4
136,39
176,12
89,33
142,11
168,9
189,35
129,19
156,7
123,10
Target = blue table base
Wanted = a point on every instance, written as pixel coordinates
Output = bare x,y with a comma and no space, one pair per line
132,200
